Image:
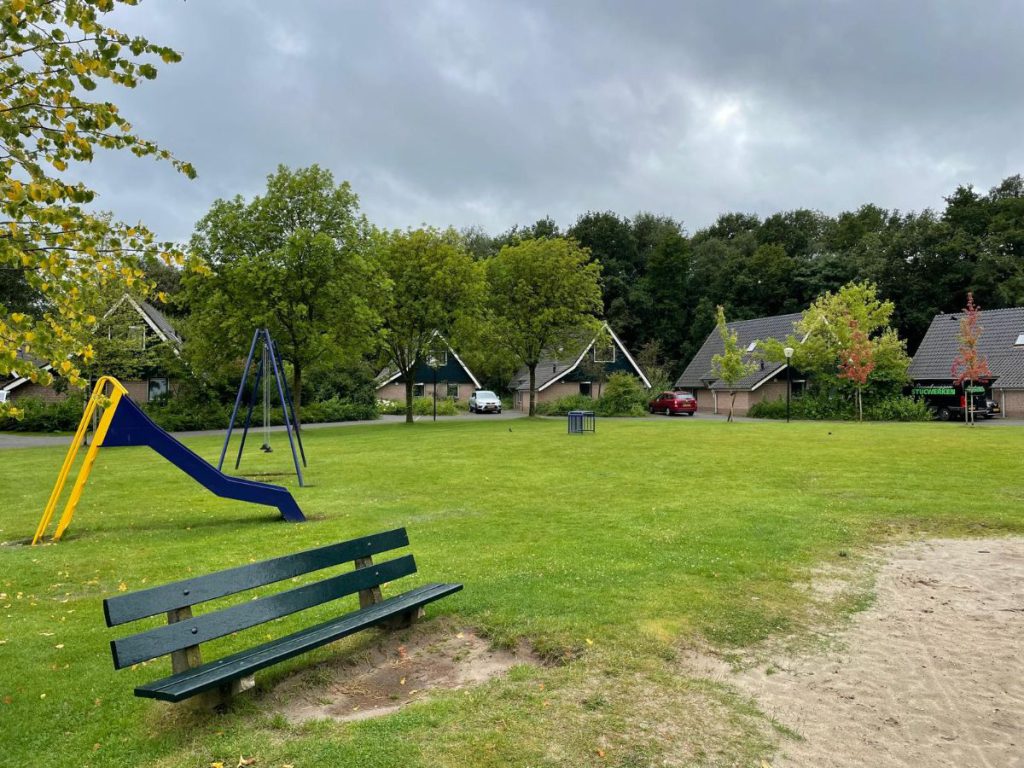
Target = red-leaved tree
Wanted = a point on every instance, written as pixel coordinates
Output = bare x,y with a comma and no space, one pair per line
970,365
858,362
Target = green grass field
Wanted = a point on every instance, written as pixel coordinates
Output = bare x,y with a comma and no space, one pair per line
609,553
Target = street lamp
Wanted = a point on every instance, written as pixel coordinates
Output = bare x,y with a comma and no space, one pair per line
788,352
434,363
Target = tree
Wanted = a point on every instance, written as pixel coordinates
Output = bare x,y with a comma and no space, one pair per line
52,248
435,286
296,260
970,365
832,328
543,294
730,366
858,364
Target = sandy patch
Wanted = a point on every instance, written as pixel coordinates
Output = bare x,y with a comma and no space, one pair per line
402,668
931,675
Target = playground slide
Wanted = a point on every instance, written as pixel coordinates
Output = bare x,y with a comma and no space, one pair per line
131,426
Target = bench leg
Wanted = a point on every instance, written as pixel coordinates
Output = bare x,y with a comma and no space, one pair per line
403,620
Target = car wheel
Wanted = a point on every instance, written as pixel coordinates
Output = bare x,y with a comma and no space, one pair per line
668,411
944,414
650,409
499,411
692,413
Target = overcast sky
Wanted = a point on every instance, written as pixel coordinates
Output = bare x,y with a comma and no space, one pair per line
496,113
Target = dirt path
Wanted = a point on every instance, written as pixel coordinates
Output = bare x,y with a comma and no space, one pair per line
931,675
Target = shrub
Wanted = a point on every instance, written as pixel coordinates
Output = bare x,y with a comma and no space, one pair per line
822,407
41,416
898,408
563,405
623,395
421,406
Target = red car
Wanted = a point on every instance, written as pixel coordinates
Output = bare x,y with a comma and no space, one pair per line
671,403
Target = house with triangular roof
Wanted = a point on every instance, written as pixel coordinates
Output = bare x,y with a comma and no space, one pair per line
764,383
1001,343
139,323
443,369
579,369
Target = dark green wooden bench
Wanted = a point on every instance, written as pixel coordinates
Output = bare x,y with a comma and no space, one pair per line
184,633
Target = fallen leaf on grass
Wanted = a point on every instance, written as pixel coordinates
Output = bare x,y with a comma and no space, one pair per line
600,753
122,587
58,646
245,761
216,765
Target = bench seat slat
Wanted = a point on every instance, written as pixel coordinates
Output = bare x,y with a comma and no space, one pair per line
200,629
215,673
150,602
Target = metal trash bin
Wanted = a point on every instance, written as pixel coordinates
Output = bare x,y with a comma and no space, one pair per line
581,421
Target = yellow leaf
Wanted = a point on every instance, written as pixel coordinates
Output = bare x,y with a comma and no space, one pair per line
245,761
122,587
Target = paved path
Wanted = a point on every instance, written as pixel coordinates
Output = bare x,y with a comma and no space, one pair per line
18,440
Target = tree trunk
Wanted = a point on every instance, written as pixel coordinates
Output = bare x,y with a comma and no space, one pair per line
408,398
533,390
860,406
732,402
296,393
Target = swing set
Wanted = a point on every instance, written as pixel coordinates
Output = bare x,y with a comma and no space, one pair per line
269,363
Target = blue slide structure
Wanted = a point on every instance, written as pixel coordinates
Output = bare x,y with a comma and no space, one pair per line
131,426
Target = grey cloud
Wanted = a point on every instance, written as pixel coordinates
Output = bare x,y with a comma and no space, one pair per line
496,113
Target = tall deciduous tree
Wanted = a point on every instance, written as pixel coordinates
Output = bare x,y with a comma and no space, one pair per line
543,294
51,245
435,286
970,366
730,366
296,260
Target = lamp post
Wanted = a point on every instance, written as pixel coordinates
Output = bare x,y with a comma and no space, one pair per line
434,364
788,352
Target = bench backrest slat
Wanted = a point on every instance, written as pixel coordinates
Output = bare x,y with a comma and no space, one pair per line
178,594
199,629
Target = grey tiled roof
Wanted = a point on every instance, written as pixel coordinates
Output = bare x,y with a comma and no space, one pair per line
552,365
1000,329
699,373
160,321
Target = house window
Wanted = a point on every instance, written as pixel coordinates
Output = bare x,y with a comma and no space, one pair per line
585,388
1020,341
453,391
157,389
439,360
418,390
752,346
604,353
137,336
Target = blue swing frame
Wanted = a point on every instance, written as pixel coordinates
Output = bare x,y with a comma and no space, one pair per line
262,338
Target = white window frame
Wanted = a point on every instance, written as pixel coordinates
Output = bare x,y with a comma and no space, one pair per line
149,388
611,345
142,335
441,360
1020,340
421,388
452,391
